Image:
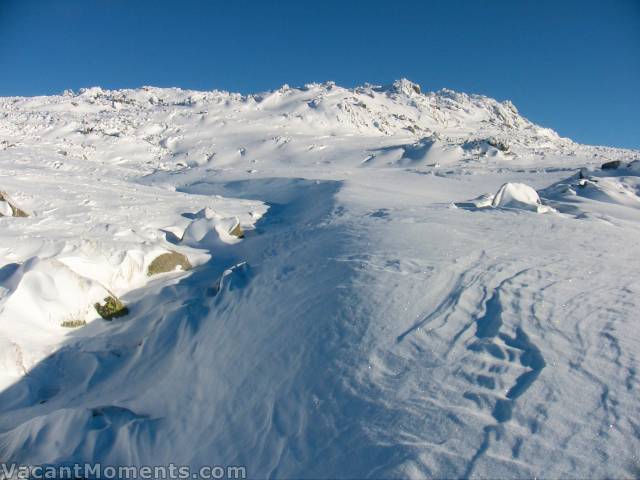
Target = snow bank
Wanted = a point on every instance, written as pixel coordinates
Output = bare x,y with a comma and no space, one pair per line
602,190
93,229
46,292
38,299
482,201
211,228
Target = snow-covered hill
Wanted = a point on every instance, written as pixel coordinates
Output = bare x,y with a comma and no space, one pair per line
316,282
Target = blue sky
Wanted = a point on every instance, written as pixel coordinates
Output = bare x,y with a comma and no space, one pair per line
570,65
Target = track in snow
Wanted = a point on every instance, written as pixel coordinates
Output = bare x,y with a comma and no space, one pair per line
361,340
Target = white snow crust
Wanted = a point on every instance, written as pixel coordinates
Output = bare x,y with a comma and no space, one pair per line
371,322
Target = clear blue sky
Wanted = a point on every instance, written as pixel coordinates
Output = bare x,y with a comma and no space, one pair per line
570,65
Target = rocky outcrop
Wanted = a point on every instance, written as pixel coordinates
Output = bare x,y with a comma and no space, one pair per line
8,208
168,262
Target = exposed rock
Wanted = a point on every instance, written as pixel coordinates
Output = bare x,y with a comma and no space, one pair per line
404,86
237,231
112,308
73,323
168,262
499,144
613,165
8,208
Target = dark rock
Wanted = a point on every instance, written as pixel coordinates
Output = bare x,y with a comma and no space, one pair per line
499,144
611,165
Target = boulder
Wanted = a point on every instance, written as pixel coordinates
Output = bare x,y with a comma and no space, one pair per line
112,308
237,231
8,208
168,262
613,165
499,144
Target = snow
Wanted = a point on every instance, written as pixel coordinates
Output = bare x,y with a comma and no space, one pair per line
5,209
363,326
519,196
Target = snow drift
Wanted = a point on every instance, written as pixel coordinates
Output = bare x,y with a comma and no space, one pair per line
322,311
520,197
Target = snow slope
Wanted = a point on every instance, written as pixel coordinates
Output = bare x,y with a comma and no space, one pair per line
372,322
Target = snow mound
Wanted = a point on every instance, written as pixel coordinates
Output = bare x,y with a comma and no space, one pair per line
610,191
45,292
36,299
519,196
634,167
483,201
511,196
209,229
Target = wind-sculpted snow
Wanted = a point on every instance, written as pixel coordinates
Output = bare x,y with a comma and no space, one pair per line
348,312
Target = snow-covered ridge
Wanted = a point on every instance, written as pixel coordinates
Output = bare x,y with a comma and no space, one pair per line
172,129
400,108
